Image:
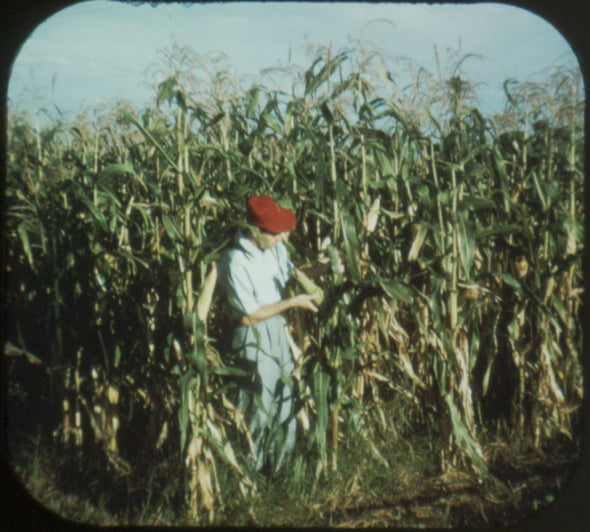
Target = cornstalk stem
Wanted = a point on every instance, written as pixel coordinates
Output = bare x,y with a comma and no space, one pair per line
364,167
333,175
186,167
438,208
179,151
572,269
226,148
96,153
453,294
39,151
189,271
334,438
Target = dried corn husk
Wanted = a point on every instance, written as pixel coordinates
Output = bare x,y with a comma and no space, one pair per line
370,221
206,295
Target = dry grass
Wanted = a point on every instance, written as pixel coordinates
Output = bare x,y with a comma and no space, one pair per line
411,493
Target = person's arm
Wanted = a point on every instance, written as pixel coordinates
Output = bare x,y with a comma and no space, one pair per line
264,312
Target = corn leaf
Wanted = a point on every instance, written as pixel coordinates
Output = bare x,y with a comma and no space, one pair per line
499,230
466,244
396,289
128,116
24,238
228,371
12,350
321,383
351,245
172,228
477,204
464,437
185,381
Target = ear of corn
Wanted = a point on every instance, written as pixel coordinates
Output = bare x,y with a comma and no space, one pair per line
309,286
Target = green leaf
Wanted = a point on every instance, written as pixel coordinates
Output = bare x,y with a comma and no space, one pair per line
500,168
539,191
559,308
117,359
171,228
474,348
117,169
100,279
394,111
12,350
130,258
351,245
287,379
396,289
439,368
198,354
384,164
185,381
98,216
166,90
215,119
252,100
228,371
70,260
498,230
254,173
321,383
464,438
271,121
466,246
477,204
352,353
24,238
511,281
313,81
158,145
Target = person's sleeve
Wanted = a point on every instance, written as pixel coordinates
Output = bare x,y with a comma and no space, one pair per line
238,287
285,264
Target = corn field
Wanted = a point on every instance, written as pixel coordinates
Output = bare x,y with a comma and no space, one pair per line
451,244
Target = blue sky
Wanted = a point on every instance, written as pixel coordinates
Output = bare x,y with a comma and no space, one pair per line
98,51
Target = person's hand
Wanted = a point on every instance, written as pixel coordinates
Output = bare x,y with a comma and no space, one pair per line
305,301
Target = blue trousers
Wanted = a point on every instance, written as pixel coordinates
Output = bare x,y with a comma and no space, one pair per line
267,403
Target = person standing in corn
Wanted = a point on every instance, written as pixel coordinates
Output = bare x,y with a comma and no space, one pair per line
252,274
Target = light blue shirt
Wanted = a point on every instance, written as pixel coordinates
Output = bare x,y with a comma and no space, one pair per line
251,277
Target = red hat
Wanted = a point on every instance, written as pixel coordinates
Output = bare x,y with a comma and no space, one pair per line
266,214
